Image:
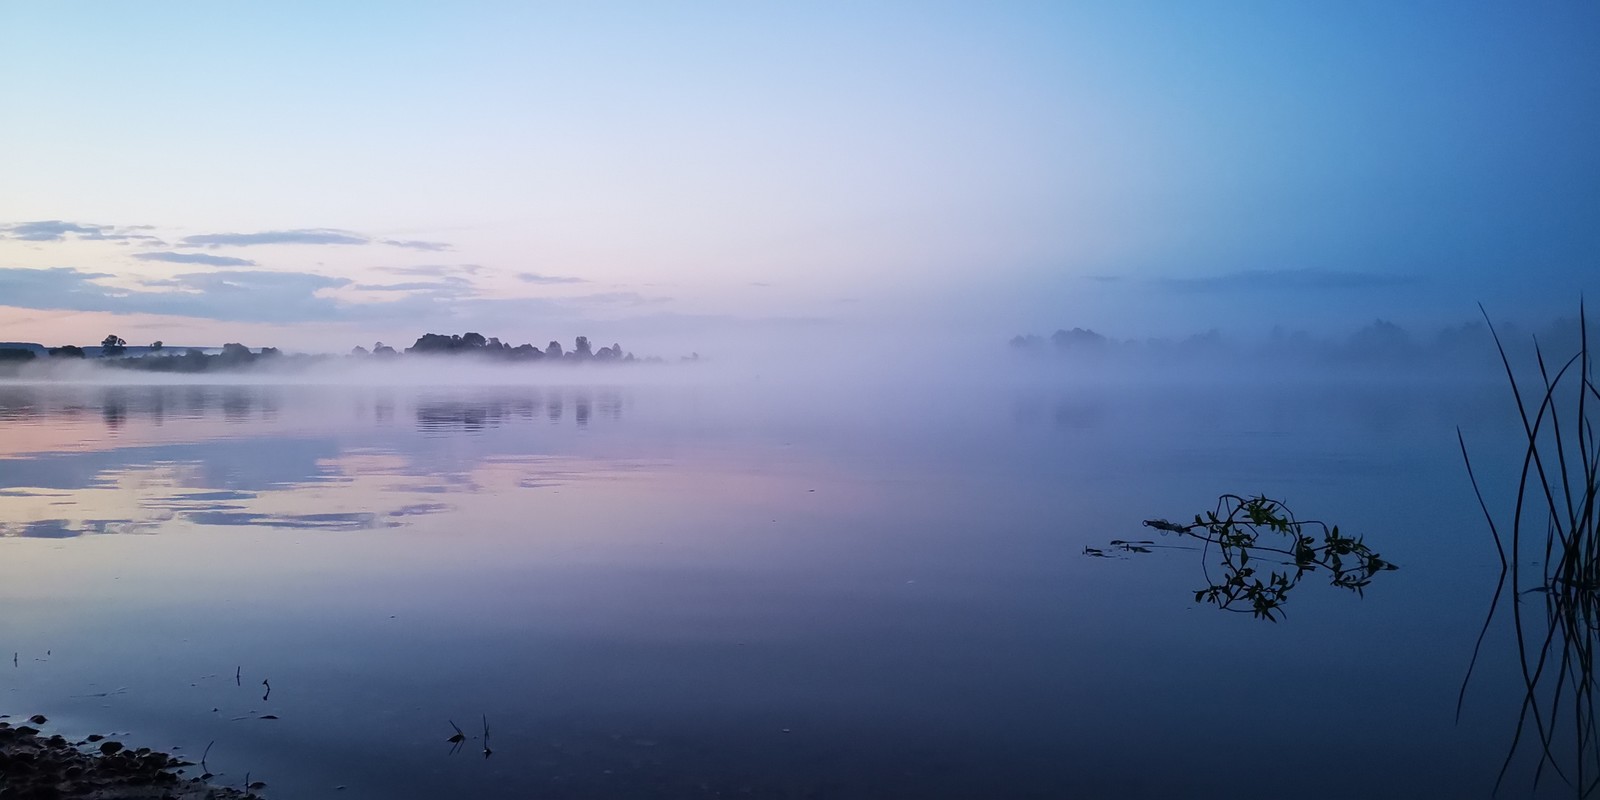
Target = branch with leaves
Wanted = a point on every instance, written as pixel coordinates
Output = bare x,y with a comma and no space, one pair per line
1261,530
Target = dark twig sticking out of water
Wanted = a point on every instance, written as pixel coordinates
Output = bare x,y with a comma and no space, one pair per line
456,740
1236,528
269,691
460,737
1558,490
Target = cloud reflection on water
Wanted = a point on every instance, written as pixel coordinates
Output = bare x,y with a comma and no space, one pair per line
267,461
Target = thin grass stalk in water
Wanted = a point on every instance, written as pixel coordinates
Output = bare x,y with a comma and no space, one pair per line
1561,466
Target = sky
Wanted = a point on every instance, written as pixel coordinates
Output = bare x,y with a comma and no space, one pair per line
675,176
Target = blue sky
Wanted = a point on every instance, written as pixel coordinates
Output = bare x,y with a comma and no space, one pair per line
314,174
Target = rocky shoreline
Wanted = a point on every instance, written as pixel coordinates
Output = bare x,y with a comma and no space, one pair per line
36,766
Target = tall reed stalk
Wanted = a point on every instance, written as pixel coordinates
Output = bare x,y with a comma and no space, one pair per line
1550,548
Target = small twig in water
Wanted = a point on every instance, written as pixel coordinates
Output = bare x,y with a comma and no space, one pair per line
122,690
456,740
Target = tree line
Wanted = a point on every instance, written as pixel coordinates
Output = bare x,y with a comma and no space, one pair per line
156,357
476,344
1377,343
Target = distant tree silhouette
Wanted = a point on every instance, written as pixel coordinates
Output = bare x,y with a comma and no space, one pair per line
235,354
1381,341
1209,341
155,346
113,345
1077,338
358,350
67,351
553,351
1467,342
440,343
582,348
435,343
381,349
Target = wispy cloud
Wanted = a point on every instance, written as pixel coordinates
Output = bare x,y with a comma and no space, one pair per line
274,297
55,230
434,270
247,296
196,258
18,284
298,236
412,244
1269,280
534,277
319,236
447,287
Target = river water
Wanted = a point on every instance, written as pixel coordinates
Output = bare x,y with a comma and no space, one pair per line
721,590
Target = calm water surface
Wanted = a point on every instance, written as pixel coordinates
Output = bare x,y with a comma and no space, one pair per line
744,591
